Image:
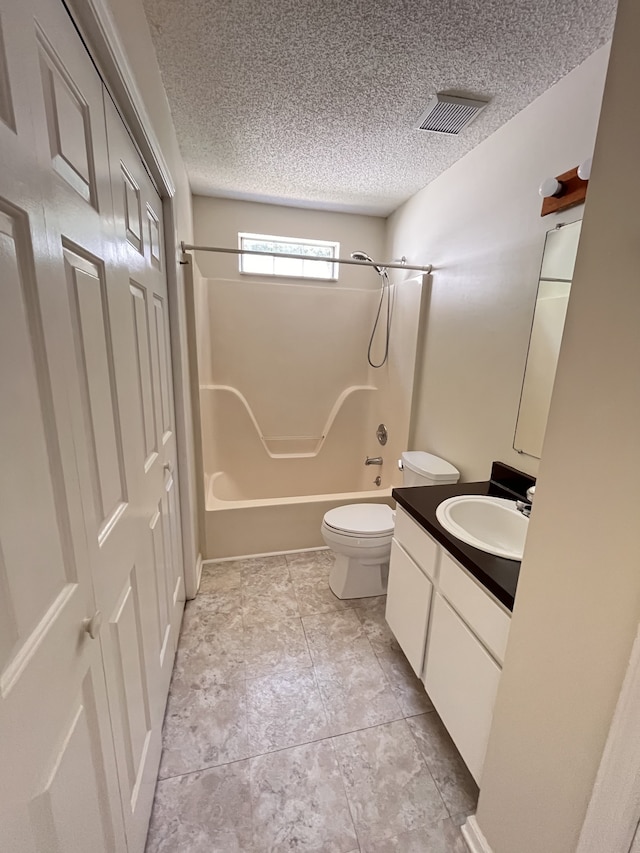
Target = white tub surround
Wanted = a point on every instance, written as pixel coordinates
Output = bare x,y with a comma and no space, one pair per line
289,405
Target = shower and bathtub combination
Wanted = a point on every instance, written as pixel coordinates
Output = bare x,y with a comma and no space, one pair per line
294,378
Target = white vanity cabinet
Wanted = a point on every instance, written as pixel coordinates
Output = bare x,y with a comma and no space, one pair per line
461,679
453,632
408,603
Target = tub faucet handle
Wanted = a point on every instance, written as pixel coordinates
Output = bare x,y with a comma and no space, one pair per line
373,460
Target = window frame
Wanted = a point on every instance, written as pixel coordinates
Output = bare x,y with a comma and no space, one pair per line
302,241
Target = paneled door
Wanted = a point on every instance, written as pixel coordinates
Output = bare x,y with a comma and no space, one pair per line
58,782
91,589
146,596
138,217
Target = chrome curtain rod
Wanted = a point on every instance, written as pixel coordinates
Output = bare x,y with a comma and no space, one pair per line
186,247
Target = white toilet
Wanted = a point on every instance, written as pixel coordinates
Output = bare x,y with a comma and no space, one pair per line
360,534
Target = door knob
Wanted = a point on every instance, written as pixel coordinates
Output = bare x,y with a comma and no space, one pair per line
92,626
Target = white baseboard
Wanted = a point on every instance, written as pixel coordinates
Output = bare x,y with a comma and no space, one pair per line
267,554
474,839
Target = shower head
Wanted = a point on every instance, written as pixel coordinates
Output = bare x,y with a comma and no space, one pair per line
362,256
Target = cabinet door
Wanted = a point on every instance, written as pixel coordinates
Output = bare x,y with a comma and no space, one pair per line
408,601
487,619
422,549
462,681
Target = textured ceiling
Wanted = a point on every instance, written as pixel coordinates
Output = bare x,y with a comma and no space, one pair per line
314,102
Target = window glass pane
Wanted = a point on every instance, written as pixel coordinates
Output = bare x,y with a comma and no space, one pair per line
288,267
314,269
261,264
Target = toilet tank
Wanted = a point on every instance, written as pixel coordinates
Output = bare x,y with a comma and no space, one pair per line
423,469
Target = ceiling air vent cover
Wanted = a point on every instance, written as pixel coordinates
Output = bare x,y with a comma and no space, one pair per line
449,114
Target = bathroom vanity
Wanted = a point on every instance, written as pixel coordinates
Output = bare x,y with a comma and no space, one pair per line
449,606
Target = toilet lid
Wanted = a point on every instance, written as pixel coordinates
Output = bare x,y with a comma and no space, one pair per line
363,519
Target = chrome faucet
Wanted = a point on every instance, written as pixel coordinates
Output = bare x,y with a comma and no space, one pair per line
373,460
525,506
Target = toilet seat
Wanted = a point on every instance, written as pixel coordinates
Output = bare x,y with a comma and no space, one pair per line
361,521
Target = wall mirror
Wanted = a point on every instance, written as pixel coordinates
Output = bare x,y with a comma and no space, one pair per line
558,260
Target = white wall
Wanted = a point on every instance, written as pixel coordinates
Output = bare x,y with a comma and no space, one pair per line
578,602
479,224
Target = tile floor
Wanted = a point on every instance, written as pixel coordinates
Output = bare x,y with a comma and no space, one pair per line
295,723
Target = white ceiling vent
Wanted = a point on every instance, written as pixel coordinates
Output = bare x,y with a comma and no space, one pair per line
449,114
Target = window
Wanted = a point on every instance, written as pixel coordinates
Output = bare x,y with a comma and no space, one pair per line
300,267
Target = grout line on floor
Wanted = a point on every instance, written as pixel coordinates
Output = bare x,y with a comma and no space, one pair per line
346,794
202,769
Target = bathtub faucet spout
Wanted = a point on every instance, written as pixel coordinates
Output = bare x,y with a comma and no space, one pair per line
373,460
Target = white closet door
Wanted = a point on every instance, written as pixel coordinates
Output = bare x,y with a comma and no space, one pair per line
103,394
147,596
88,508
138,217
58,785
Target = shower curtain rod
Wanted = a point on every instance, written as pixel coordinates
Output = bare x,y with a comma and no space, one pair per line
186,247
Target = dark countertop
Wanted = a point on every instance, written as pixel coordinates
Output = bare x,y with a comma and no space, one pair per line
497,574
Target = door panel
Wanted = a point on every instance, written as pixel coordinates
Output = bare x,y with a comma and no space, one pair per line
160,562
131,680
26,396
408,602
460,675
139,664
162,357
68,123
132,209
58,782
87,448
72,811
6,101
140,311
110,441
155,240
94,350
170,531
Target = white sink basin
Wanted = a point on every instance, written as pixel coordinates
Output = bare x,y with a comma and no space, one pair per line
491,524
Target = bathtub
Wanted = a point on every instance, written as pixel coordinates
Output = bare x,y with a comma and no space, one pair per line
267,525
269,493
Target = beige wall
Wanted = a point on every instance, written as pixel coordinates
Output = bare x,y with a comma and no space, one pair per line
479,223
578,601
217,222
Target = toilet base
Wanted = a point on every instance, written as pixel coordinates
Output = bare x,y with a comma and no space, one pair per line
351,578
